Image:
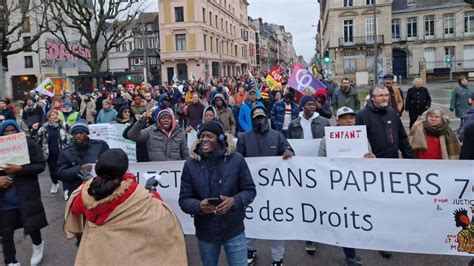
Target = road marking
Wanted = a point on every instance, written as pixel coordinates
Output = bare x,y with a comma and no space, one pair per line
441,105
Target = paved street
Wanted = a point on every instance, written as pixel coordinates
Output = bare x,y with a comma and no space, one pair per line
59,251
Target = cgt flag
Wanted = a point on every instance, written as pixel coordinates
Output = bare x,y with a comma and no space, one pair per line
301,78
46,87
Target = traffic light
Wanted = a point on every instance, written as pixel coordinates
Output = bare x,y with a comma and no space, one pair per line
449,61
326,58
129,77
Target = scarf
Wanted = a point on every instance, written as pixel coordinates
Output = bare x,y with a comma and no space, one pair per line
450,146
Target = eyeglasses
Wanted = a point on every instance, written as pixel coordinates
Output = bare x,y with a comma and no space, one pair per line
126,111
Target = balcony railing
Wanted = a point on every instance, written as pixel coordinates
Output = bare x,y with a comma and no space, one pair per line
360,41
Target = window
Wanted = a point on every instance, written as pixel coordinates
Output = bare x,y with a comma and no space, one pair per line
217,45
448,24
348,3
28,61
180,42
130,46
411,2
205,42
27,44
369,29
411,25
204,15
140,44
469,22
429,26
211,42
369,2
395,29
124,47
149,27
117,49
348,31
210,18
137,61
26,25
217,25
235,50
179,14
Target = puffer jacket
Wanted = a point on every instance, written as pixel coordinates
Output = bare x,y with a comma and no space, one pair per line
43,136
277,115
73,157
160,146
223,173
385,131
245,121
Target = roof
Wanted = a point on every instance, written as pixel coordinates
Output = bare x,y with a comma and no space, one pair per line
401,6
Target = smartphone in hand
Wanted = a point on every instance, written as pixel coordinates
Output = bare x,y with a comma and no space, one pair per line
214,201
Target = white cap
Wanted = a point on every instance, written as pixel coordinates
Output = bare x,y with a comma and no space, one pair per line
344,111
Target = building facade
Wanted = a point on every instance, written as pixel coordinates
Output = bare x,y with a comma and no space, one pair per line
203,38
408,32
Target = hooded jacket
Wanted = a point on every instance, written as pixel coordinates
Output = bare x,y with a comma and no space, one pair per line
245,121
159,105
225,172
161,145
385,131
318,123
25,188
207,108
226,115
325,110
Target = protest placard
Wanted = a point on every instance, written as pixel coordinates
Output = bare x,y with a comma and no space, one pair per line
14,149
301,78
271,82
346,142
112,134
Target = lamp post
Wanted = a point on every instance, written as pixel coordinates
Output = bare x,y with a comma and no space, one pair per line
2,23
376,71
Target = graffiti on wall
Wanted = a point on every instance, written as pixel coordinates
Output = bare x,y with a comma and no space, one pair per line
56,50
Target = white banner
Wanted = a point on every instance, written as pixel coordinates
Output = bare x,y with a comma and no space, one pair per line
14,149
380,204
112,134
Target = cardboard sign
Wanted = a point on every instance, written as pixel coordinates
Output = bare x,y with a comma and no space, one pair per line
346,141
14,149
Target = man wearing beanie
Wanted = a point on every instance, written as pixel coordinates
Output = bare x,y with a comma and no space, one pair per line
309,124
264,141
218,205
68,115
75,162
283,112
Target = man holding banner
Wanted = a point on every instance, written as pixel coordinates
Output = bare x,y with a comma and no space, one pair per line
217,187
263,141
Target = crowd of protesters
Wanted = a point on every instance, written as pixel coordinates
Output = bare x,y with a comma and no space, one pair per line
159,119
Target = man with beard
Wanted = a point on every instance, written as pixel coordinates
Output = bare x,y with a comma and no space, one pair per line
396,96
346,96
262,141
385,130
309,124
68,115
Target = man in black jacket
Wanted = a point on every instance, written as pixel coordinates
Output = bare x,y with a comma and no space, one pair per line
218,205
467,149
385,130
75,162
7,113
263,141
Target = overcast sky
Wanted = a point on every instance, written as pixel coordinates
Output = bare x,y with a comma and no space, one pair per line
296,15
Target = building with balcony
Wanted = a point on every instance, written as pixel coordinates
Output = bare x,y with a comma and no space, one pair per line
346,34
408,32
432,30
203,38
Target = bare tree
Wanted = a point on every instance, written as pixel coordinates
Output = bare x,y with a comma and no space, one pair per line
17,18
100,25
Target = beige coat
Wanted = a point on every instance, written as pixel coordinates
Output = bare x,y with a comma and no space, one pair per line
141,231
91,111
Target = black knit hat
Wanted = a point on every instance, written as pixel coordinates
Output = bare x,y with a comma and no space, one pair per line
212,126
112,164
